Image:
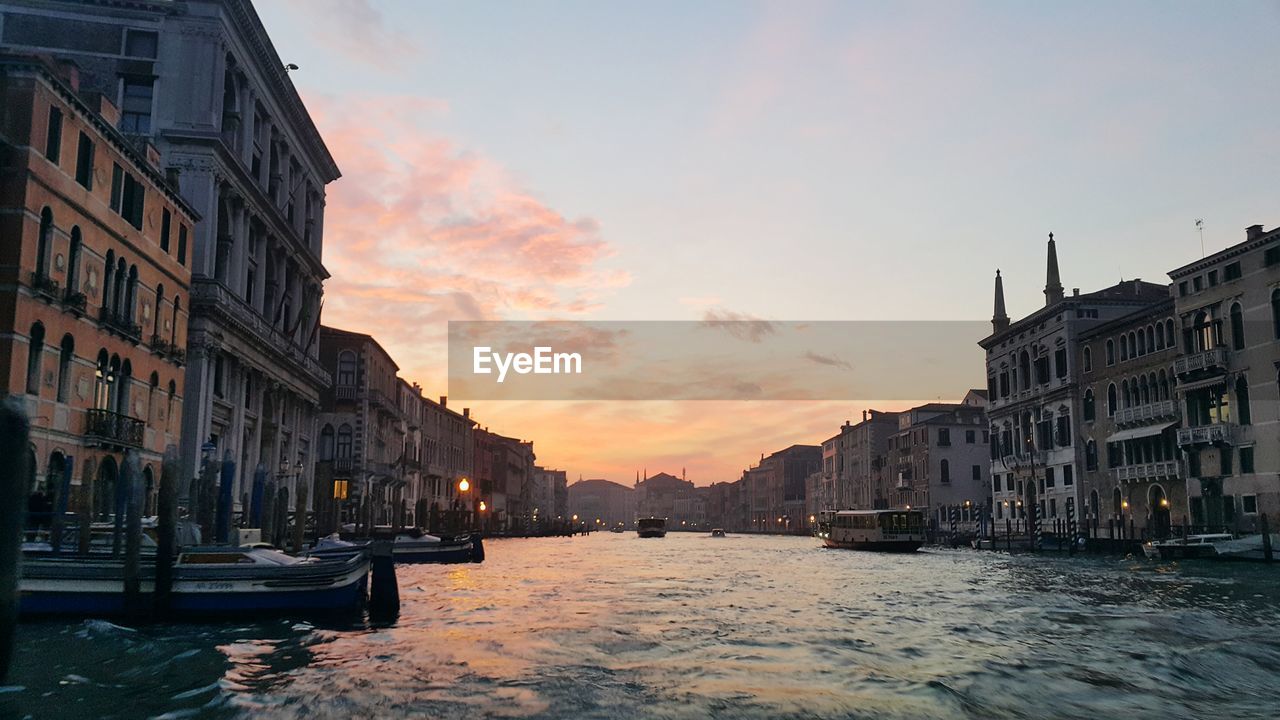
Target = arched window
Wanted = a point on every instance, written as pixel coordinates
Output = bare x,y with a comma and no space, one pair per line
1124,393
1242,400
102,382
326,443
35,358
1151,339
177,305
1202,333
152,389
945,470
1024,370
44,243
1164,385
107,278
1111,351
1088,360
1170,339
1089,411
1091,455
1158,333
123,386
117,295
1117,502
1124,347
155,322
73,261
343,448
346,369
66,357
1111,399
1237,327
1144,391
1275,311
1133,345
1142,343
170,420
131,295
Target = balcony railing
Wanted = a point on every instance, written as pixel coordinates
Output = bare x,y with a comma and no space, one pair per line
113,428
344,392
121,324
75,301
45,285
1212,360
1216,434
341,465
212,297
1164,469
1163,410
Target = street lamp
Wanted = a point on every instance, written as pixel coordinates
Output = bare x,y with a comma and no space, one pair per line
464,485
483,507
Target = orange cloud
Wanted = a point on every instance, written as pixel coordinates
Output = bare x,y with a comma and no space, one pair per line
419,231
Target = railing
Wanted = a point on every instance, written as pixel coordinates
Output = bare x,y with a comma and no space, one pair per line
75,300
1214,359
114,428
342,465
44,285
1163,410
1147,471
159,345
1216,434
344,392
120,323
212,296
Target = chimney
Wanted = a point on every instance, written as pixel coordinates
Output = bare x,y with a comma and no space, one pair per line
108,111
1252,232
466,413
864,416
1137,286
69,73
1075,292
444,401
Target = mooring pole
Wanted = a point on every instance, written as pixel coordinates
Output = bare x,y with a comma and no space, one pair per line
384,592
166,528
131,479
58,524
300,514
14,429
1266,538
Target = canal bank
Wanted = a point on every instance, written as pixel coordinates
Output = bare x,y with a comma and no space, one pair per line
690,626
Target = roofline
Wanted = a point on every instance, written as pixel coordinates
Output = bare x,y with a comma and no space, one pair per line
1237,249
361,336
989,341
1126,319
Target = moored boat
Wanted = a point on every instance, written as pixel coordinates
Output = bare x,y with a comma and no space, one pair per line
877,530
411,547
651,527
1194,546
717,532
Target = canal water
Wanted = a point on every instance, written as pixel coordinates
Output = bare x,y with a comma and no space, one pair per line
689,626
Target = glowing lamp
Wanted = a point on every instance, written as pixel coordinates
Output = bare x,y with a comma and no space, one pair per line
483,507
464,485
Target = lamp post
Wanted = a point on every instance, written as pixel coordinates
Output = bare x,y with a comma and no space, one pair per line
464,488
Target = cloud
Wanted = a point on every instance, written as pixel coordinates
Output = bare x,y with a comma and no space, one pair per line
419,231
739,325
357,30
831,360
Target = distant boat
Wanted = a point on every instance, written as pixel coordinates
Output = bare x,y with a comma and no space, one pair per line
651,527
717,532
878,530
207,581
617,528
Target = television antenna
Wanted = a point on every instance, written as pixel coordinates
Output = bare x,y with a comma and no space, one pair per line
1200,229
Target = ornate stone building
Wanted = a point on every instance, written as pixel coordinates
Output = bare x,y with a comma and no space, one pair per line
201,80
92,321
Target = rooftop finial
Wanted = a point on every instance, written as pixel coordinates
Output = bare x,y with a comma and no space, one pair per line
1052,281
1000,318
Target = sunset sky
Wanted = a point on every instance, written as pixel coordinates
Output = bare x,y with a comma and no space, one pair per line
787,161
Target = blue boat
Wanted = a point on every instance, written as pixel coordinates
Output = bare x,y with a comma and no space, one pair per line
207,581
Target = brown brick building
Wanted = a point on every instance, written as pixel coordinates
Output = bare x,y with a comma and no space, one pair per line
93,285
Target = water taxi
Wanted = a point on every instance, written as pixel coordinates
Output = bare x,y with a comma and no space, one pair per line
651,527
717,532
878,530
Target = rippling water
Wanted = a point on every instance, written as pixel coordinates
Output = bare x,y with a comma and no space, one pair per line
612,626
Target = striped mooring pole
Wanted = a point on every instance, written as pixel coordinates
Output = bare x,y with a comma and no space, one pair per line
1071,524
1037,537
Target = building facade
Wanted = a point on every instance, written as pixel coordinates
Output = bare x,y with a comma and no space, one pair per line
601,500
202,81
939,459
1035,402
1133,482
92,329
1228,313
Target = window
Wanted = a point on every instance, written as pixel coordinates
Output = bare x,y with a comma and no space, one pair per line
346,369
944,437
1249,503
1048,477
117,186
1242,400
53,136
995,483
166,220
1182,288
945,471
1197,283
1111,400
44,243
1275,312
1088,405
1111,352
1213,278
84,162
1068,476
1237,327
1088,360
970,437
140,43
1090,456
1053,507
35,357
1246,460
342,450
1225,457
66,357
1271,256
1231,272
135,106
132,199
326,443
1042,370
977,472
182,244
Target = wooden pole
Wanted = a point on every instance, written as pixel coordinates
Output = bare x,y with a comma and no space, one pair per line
300,514
14,430
1266,539
131,479
167,528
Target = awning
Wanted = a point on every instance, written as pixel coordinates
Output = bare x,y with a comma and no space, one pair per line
1140,432
1187,387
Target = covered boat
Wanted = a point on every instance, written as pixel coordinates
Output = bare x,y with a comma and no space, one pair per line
879,530
651,527
411,547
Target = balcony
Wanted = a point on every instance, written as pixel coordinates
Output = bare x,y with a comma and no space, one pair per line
1163,410
113,428
1212,361
45,286
344,392
342,466
75,301
121,324
1216,434
1142,472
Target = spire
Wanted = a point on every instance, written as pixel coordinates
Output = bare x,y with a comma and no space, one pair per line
1052,282
999,319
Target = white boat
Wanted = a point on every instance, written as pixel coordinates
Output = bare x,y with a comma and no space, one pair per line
877,530
411,547
1193,546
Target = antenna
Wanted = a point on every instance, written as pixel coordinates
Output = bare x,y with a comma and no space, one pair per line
1200,229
